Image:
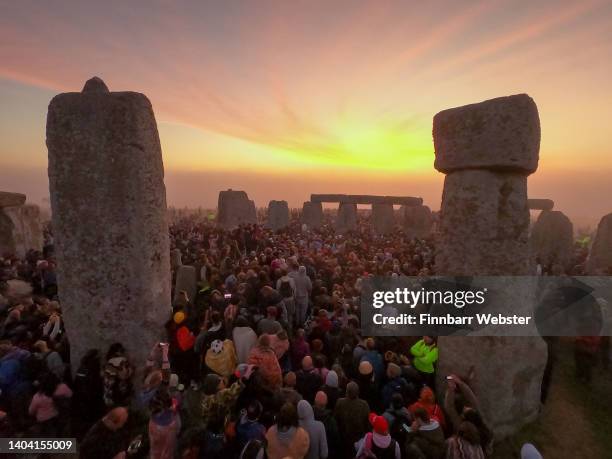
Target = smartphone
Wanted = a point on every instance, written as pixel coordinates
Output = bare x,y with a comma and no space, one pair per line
227,296
449,378
406,428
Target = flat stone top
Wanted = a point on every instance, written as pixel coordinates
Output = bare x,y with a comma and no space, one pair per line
367,199
541,204
8,199
498,134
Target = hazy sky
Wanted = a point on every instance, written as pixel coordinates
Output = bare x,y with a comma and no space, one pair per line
287,98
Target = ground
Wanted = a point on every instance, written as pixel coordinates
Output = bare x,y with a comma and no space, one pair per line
576,421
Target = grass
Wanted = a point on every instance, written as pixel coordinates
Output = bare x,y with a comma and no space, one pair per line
576,421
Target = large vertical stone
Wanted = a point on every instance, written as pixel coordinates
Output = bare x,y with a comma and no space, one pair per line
346,220
312,214
234,209
599,262
552,240
278,215
383,218
108,199
24,229
187,280
487,150
417,220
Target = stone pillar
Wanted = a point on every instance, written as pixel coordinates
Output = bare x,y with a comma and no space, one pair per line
108,199
312,214
552,241
383,218
599,262
278,215
186,279
20,226
417,220
176,259
487,150
235,209
346,220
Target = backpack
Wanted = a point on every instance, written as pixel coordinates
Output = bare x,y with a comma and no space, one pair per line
285,289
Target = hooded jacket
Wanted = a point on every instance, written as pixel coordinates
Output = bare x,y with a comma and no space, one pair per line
292,442
315,429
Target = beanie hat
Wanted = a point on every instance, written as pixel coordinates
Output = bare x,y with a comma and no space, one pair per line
379,424
179,317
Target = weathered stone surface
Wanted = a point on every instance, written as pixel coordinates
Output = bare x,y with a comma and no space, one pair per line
312,214
508,376
367,199
484,224
11,199
278,215
109,219
187,280
540,204
500,134
235,209
600,258
417,220
176,259
383,218
488,149
20,229
552,240
346,220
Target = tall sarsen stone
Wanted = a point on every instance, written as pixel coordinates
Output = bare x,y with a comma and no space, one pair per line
108,199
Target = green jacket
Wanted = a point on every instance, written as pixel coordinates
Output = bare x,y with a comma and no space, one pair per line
424,356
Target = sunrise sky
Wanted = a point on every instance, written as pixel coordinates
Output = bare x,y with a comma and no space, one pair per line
286,98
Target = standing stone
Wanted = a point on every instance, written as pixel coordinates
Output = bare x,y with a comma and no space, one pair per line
176,259
235,209
552,240
487,150
187,280
599,262
312,214
346,219
383,218
278,215
20,229
11,199
417,221
108,199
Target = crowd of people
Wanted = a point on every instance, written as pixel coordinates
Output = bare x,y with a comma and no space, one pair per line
267,359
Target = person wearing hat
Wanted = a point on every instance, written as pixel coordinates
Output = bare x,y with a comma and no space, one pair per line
427,401
395,384
351,412
331,389
368,385
379,441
